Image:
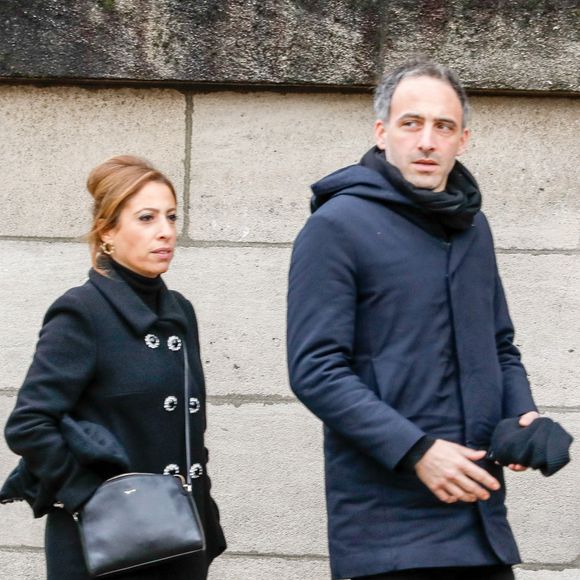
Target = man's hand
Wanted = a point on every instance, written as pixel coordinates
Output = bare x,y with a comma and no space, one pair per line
449,471
528,418
525,420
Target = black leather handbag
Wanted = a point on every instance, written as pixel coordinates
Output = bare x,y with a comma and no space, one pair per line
140,519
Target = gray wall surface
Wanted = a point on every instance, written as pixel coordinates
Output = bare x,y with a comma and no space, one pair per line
515,45
243,162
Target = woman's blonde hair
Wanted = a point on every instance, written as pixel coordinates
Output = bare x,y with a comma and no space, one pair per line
112,183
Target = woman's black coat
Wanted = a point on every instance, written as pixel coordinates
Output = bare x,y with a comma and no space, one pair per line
105,357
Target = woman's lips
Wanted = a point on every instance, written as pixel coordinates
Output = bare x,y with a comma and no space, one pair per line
163,252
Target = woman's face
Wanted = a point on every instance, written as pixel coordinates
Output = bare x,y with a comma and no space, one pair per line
144,237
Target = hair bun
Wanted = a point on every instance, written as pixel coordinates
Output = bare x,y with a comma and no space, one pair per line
113,166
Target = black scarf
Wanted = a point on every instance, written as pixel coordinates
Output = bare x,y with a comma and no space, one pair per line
454,208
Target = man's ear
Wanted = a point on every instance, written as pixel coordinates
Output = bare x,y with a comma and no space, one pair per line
380,134
463,143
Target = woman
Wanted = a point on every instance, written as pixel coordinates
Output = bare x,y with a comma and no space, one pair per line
110,353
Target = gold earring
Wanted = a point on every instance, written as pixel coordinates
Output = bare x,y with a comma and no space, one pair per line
107,248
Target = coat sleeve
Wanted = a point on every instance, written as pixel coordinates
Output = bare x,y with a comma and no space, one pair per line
517,396
322,304
62,367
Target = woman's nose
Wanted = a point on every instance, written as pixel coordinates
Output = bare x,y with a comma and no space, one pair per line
166,229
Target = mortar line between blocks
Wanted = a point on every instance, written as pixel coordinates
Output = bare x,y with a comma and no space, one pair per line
536,566
572,565
183,242
189,111
539,567
186,242
22,549
238,400
538,252
557,409
274,555
260,399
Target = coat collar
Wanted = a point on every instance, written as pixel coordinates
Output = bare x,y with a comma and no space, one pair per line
130,307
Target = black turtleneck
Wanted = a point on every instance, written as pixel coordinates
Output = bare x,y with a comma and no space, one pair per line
148,289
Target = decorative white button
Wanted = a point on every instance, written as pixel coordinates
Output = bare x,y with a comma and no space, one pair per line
152,341
170,403
194,405
174,343
171,469
196,470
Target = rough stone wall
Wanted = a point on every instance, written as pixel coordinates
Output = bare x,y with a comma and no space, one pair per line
243,163
494,44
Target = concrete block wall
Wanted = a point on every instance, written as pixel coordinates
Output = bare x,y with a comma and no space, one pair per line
242,162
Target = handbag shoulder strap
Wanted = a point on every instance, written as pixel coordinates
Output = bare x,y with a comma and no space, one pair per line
187,414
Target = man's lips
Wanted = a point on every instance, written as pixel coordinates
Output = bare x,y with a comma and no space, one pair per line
428,165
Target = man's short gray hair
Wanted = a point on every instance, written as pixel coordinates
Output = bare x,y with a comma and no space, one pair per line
419,67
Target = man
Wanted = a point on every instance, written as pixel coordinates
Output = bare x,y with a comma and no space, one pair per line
399,339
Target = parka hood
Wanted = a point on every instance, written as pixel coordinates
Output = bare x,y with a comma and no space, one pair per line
359,181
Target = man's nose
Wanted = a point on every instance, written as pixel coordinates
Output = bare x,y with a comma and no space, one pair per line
426,142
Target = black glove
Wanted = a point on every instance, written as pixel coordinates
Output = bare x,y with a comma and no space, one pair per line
543,445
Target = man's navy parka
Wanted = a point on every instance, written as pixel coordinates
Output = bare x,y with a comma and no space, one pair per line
393,334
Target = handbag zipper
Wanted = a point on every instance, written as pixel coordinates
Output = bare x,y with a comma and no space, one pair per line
120,476
76,515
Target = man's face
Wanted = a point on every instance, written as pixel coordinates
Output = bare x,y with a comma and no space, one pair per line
423,134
